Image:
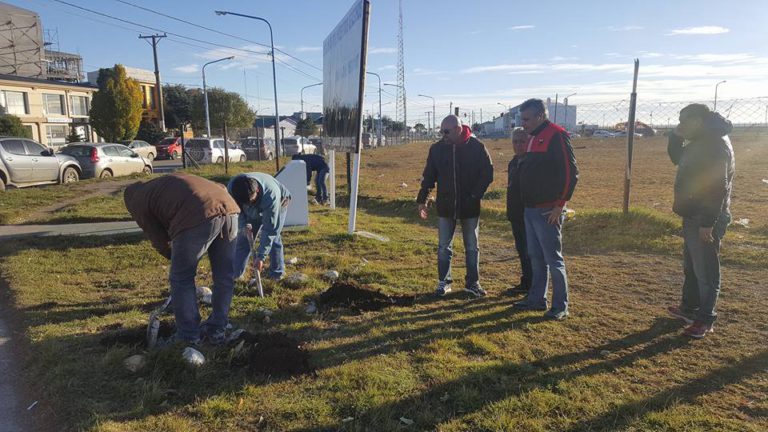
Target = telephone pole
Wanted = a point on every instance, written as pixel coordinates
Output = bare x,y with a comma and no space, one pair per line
155,40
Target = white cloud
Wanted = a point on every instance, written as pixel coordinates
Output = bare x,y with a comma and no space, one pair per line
625,28
715,58
701,30
649,54
612,54
522,27
388,67
309,49
382,51
247,57
192,68
421,71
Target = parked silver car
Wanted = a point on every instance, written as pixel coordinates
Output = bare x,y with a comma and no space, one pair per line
24,162
143,148
107,159
297,145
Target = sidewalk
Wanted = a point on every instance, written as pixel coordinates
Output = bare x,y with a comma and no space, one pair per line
8,232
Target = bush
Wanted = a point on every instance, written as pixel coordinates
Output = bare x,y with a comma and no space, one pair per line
149,132
10,125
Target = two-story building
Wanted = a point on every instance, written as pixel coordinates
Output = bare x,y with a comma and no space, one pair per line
48,108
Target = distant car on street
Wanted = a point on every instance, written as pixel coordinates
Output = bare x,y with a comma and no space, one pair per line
107,159
143,148
621,134
318,143
371,141
168,148
211,150
297,145
258,148
600,133
24,162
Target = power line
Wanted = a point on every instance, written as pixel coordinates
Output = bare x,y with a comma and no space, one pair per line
216,31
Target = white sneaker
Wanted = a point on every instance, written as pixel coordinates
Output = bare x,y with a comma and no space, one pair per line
443,288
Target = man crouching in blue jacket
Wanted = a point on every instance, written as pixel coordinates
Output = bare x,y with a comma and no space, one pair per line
264,203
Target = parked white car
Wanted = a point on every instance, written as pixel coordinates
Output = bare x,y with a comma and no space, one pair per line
211,150
603,134
297,145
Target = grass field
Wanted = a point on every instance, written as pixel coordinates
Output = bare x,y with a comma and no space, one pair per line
449,364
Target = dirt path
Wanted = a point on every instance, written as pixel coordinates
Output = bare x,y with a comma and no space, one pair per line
92,191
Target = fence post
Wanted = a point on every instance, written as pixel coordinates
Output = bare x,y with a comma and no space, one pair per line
226,151
183,150
630,138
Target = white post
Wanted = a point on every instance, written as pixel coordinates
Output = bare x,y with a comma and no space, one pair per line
353,197
332,175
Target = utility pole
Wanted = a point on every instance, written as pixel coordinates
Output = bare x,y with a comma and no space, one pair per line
155,40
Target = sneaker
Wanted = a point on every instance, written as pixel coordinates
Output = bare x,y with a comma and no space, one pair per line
214,338
557,315
476,290
518,289
678,313
698,330
443,288
527,304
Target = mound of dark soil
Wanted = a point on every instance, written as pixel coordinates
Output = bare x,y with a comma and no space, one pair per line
355,297
273,354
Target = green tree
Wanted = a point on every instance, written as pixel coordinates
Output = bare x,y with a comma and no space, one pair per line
117,106
150,132
419,127
224,107
10,125
74,135
178,105
306,127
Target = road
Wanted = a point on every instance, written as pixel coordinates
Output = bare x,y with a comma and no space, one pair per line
166,166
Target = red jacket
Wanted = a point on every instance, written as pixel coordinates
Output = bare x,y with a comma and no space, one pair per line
548,171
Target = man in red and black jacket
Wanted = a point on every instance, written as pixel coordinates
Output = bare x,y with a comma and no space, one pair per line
548,176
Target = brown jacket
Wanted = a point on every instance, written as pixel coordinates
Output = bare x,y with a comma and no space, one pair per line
166,206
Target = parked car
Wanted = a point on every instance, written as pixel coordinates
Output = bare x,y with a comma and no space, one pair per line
169,148
621,134
107,159
600,133
143,148
24,162
297,145
258,148
371,141
211,150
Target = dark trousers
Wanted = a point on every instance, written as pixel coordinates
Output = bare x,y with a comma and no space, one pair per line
518,231
701,266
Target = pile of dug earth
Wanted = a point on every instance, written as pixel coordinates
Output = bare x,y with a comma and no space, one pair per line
353,296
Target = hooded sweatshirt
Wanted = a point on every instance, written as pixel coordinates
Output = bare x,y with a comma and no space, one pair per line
462,172
705,169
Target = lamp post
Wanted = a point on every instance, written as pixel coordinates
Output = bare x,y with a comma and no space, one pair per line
714,108
302,95
405,113
205,93
434,119
379,133
274,75
565,117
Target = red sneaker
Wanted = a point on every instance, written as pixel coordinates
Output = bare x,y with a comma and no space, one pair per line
678,313
698,330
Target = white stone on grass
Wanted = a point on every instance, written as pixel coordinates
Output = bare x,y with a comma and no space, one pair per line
193,357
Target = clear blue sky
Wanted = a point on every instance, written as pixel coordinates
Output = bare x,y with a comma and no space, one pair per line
474,54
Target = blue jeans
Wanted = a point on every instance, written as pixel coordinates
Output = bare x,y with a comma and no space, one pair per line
321,194
701,265
545,245
276,257
216,237
470,230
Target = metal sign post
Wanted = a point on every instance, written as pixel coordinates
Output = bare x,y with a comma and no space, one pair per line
630,138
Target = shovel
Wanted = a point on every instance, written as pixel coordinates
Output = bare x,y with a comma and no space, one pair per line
153,327
257,279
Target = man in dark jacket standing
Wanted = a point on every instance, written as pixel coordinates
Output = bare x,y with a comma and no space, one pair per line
184,217
317,164
705,168
548,176
462,169
516,210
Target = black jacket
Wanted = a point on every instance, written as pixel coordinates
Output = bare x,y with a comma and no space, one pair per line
462,172
548,171
515,205
313,162
705,168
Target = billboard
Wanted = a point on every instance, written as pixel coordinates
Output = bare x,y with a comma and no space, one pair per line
344,57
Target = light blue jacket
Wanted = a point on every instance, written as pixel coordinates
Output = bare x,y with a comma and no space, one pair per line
266,212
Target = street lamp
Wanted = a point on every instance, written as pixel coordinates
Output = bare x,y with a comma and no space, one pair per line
434,119
274,75
405,112
379,134
565,117
302,95
715,106
205,93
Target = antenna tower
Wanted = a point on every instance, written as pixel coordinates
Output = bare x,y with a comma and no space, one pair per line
400,109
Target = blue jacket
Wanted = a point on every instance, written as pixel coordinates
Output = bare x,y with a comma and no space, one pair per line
265,212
